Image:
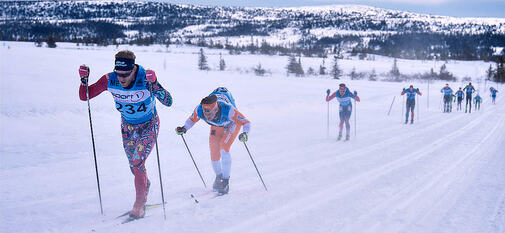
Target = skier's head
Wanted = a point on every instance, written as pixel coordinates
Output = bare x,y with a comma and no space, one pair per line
470,83
411,87
447,85
209,106
124,67
341,87
460,88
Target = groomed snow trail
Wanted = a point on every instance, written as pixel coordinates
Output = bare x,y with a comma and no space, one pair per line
444,173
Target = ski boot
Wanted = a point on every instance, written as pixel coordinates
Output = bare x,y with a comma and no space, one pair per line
411,121
347,137
224,187
217,182
339,137
406,121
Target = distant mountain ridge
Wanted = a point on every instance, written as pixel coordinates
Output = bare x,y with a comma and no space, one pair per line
321,28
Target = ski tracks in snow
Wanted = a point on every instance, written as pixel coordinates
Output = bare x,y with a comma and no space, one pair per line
413,194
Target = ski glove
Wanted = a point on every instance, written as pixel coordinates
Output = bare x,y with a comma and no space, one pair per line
242,137
84,74
328,92
355,93
151,76
180,130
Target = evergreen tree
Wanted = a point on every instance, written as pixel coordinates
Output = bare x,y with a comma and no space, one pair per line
322,69
202,61
259,71
299,70
222,64
292,64
489,73
395,72
499,75
51,41
311,71
353,74
372,76
335,70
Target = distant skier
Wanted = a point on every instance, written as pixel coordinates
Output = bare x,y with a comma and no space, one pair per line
219,111
469,91
477,101
344,96
459,94
131,87
493,94
411,102
448,93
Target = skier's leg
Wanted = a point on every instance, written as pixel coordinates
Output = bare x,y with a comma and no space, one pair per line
230,134
215,136
138,142
341,124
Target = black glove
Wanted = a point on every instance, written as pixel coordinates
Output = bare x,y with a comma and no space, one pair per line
180,130
328,92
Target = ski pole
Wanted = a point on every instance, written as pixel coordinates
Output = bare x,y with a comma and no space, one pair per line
355,107
390,107
417,108
403,106
250,156
158,157
200,174
94,151
328,120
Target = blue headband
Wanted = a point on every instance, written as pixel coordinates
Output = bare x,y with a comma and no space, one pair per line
124,64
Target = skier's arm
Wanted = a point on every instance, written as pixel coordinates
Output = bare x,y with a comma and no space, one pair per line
419,92
239,119
330,97
161,94
191,120
95,88
403,92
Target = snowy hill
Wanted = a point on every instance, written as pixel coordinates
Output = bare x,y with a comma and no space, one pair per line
317,29
444,173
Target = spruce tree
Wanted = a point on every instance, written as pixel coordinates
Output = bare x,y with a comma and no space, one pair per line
322,69
222,64
395,72
202,61
335,70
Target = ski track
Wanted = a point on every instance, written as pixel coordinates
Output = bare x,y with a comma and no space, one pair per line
290,210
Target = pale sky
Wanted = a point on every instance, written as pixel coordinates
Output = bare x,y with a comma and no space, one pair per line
458,8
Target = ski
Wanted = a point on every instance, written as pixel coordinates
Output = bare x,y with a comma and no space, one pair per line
148,207
130,219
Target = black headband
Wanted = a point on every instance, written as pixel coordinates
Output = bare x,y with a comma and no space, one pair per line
124,64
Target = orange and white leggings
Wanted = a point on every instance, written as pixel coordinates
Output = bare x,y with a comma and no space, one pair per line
220,141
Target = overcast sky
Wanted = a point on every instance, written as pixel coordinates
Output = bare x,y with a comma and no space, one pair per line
459,8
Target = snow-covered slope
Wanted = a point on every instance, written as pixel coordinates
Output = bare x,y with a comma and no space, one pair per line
441,174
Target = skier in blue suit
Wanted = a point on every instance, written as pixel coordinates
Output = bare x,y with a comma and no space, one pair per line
447,98
411,102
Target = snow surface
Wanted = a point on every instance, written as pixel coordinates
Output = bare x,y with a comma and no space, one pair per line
442,174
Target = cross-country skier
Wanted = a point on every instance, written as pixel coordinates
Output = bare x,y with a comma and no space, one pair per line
132,88
447,98
493,94
219,111
344,96
411,102
477,101
469,91
459,94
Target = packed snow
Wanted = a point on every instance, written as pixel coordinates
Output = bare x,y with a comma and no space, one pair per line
444,173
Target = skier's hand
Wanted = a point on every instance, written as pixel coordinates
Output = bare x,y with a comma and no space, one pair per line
355,93
243,137
328,92
84,73
358,99
180,130
151,76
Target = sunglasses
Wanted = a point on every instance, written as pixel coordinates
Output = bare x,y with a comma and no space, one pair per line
123,75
